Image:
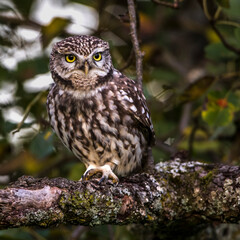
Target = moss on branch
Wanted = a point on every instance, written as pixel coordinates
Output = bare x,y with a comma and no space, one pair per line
177,194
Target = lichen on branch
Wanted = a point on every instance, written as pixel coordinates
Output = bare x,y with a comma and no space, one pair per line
175,194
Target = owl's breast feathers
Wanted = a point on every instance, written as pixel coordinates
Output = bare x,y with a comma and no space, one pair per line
120,97
110,124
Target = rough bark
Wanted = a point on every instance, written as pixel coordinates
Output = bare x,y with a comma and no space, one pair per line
176,194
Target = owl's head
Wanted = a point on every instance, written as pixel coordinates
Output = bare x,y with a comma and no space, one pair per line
80,62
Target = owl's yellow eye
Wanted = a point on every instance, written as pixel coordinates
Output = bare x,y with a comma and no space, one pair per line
97,56
70,58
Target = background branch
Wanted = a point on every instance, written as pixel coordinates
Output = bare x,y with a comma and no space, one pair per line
178,192
174,4
213,20
224,41
137,50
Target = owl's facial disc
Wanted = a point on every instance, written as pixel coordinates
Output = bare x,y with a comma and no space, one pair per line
97,64
80,62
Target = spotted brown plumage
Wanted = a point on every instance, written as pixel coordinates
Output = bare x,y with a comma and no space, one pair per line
97,112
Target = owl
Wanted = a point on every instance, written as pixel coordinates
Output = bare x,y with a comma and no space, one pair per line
98,113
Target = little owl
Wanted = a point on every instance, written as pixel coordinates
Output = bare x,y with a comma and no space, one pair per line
96,111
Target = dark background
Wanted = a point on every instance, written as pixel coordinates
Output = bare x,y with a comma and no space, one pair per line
191,81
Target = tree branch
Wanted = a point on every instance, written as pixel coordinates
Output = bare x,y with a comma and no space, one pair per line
174,4
137,50
16,21
176,194
213,20
224,41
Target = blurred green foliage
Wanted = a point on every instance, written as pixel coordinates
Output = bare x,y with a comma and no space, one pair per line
191,81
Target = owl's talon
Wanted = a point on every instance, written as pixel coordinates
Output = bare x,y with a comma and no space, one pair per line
106,171
103,179
87,175
81,179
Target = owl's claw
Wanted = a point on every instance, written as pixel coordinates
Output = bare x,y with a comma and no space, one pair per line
106,172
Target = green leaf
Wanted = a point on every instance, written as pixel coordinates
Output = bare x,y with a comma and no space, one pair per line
218,53
225,131
237,34
233,11
4,73
196,89
42,145
217,116
224,3
164,74
53,29
232,98
6,126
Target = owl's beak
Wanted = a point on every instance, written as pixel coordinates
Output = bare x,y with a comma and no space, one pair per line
86,68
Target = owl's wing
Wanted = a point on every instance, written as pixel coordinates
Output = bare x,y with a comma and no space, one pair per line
134,102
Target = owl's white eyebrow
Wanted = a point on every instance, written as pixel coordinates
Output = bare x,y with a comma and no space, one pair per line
97,50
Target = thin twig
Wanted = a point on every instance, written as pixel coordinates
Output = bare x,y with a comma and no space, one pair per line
213,21
185,117
137,50
229,75
30,105
205,9
230,23
224,41
16,21
217,13
174,4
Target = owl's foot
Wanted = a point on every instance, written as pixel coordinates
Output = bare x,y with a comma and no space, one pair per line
105,171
